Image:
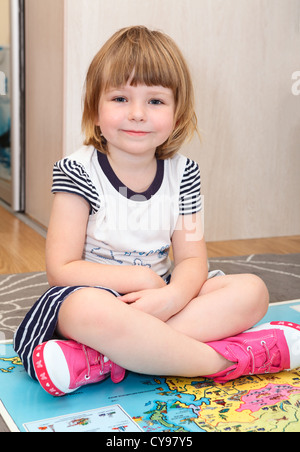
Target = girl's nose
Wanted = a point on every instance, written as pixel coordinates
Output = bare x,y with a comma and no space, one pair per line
137,112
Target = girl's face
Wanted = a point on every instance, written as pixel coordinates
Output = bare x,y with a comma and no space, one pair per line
136,119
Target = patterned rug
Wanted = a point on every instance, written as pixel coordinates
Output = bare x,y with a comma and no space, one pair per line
281,273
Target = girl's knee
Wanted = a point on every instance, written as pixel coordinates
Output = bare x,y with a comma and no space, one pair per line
257,292
86,308
248,289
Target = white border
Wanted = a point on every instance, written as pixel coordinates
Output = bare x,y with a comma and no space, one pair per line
7,419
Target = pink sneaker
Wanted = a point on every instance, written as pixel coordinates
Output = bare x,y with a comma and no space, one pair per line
268,348
62,367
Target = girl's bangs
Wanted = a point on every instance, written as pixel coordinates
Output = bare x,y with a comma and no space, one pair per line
138,67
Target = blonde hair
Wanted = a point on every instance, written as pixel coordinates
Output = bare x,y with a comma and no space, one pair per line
154,60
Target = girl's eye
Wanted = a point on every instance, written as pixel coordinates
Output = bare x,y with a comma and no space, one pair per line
155,102
119,99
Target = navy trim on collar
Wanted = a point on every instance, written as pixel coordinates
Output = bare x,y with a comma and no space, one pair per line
125,191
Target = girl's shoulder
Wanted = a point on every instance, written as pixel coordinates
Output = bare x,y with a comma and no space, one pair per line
188,176
81,163
83,156
74,174
182,165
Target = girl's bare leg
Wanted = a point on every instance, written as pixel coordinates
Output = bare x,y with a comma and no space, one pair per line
226,306
133,339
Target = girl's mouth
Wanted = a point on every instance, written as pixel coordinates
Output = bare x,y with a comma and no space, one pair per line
136,133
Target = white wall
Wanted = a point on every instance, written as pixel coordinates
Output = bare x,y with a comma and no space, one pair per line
242,56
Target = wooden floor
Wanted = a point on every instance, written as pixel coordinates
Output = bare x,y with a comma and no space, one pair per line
22,249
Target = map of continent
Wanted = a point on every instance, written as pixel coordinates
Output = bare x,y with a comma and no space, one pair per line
253,403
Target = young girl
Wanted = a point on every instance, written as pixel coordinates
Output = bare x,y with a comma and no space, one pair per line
120,202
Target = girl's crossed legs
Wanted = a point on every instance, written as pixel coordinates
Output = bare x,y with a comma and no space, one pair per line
105,335
142,343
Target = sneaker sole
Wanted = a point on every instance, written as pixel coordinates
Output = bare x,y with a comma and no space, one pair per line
52,382
292,336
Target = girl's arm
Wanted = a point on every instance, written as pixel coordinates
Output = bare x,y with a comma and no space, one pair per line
190,259
189,274
64,248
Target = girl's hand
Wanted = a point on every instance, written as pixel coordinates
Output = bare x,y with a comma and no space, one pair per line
156,302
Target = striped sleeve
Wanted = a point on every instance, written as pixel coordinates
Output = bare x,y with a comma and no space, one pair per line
190,188
70,176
